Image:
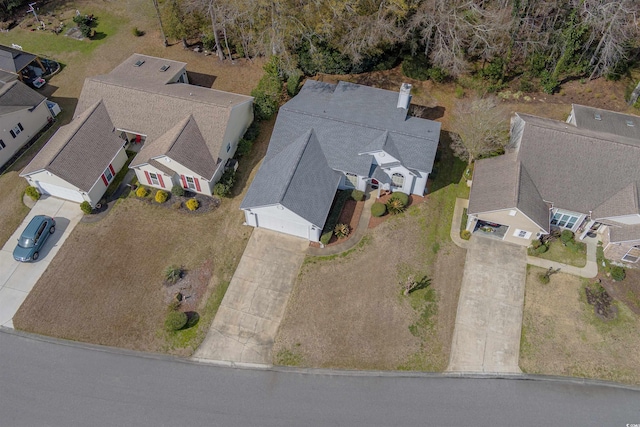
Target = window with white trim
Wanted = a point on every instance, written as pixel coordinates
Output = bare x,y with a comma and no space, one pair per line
351,180
154,178
108,174
16,130
397,180
191,184
564,220
632,255
523,234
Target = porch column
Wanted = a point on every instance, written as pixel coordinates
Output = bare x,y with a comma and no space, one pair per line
586,229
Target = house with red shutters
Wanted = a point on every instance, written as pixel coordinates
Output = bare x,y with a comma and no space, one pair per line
184,134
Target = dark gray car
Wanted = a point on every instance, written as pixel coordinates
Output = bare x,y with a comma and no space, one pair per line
33,238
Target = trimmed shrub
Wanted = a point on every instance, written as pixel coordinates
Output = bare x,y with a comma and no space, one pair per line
618,273
161,196
536,244
566,236
465,234
378,209
33,193
244,148
172,273
542,249
326,237
192,204
177,190
404,198
86,207
142,191
395,206
252,131
342,230
225,185
175,321
357,195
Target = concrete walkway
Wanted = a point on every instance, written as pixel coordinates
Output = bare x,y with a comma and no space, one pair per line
363,225
248,318
486,337
17,278
458,210
589,271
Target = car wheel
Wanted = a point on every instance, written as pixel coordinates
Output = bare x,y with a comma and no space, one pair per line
35,256
52,229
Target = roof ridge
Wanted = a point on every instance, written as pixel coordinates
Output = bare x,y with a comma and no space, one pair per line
182,128
306,137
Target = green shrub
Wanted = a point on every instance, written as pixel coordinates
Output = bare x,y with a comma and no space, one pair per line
549,83
175,321
357,195
136,32
192,204
416,67
225,185
267,93
342,230
566,236
177,190
326,237
378,209
142,192
33,193
293,82
161,196
438,75
244,148
465,234
252,132
403,197
86,207
395,206
618,273
172,273
536,244
542,249
459,92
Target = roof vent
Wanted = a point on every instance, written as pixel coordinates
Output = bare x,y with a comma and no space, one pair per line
597,116
405,96
164,68
630,123
139,62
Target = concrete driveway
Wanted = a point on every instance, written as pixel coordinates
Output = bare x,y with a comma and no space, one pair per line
248,318
17,278
486,338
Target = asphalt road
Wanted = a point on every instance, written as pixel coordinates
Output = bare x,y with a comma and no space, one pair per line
56,384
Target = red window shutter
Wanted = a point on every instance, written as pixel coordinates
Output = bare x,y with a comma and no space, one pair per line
184,181
104,179
197,184
161,180
146,174
113,172
138,139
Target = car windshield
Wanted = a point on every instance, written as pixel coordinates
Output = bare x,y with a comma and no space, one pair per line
25,242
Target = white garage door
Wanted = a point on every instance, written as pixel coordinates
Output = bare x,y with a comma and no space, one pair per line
283,226
61,192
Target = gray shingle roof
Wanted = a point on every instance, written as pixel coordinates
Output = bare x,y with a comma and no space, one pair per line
624,233
80,151
624,202
14,60
625,125
16,96
7,77
299,178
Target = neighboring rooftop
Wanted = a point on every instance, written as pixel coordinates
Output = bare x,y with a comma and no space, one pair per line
599,120
16,96
14,60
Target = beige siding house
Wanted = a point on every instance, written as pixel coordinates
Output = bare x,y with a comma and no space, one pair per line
580,175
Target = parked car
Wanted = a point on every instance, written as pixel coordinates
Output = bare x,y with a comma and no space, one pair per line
33,238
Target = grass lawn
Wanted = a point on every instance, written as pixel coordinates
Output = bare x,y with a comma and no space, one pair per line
575,255
348,311
562,335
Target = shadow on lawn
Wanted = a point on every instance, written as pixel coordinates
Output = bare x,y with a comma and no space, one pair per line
447,168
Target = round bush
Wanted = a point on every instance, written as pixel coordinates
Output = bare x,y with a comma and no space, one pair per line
86,207
395,206
378,209
357,195
465,234
617,273
161,196
177,190
175,321
542,249
404,198
192,204
33,193
566,236
142,192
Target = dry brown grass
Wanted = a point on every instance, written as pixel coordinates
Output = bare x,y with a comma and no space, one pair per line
12,209
563,336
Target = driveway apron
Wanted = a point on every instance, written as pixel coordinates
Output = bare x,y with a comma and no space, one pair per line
16,278
488,324
247,321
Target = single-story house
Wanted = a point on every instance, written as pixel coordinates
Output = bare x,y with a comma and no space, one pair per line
23,113
187,133
338,136
579,175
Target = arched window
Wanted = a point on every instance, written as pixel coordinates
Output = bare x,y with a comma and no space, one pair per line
397,180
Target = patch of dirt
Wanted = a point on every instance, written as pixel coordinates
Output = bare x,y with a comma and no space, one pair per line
626,291
192,286
601,301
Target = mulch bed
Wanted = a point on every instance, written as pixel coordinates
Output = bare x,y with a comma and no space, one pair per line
598,297
413,200
192,286
177,203
350,214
